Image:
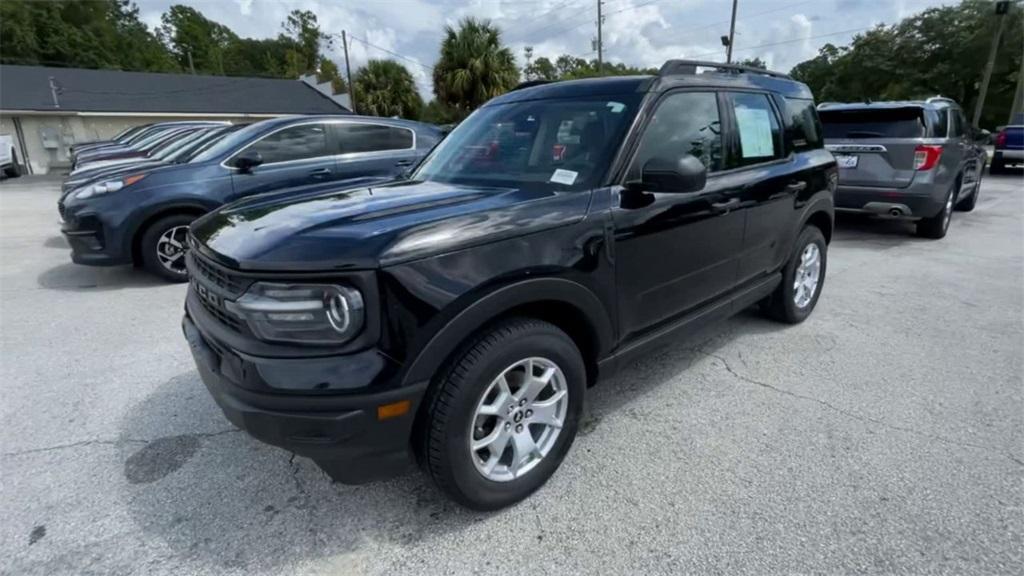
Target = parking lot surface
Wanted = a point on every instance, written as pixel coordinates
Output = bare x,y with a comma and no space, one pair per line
883,435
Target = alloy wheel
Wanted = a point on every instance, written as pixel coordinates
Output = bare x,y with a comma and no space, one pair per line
808,273
518,419
171,248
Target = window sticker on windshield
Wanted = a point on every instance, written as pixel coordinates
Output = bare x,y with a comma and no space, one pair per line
616,107
566,177
755,132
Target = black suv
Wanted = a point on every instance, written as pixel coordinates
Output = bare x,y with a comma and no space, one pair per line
460,314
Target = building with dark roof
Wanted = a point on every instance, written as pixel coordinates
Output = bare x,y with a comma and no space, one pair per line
47,110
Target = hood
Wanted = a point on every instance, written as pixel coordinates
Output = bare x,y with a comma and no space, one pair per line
369,226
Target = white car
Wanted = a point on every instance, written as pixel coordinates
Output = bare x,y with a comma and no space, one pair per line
8,158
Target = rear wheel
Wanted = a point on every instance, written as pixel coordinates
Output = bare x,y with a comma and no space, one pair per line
500,420
998,165
164,246
936,226
13,171
802,279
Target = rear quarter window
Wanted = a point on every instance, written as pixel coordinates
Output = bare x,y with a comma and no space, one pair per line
804,126
878,123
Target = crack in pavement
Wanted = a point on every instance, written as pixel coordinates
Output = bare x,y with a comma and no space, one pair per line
860,417
102,442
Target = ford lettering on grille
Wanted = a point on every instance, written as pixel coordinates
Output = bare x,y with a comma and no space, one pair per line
205,293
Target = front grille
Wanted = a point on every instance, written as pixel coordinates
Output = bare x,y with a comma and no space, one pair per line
227,283
211,285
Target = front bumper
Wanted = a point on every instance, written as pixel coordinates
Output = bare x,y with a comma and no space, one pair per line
92,242
912,202
342,433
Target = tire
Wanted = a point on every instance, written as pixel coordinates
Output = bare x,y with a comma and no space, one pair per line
997,166
13,171
450,420
968,204
783,304
937,226
154,246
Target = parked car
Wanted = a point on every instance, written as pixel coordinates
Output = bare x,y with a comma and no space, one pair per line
1009,146
462,312
8,157
133,135
141,148
913,160
155,151
142,217
179,153
120,137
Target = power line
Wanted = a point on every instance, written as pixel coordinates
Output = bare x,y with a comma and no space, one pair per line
850,31
391,52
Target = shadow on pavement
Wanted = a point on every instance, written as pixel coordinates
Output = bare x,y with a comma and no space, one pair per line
223,499
74,277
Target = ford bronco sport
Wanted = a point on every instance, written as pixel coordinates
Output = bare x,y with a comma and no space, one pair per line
460,313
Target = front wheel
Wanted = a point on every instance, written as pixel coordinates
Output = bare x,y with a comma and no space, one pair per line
803,277
501,418
164,246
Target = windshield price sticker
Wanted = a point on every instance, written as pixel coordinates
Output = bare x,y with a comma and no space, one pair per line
567,177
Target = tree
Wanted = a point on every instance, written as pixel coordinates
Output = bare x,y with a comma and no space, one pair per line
99,34
386,88
473,67
754,62
439,113
329,72
941,50
568,67
540,69
302,27
189,34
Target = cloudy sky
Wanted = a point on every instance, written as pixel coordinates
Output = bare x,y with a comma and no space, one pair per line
637,32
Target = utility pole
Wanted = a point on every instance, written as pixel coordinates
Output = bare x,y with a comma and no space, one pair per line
53,92
1002,7
1018,96
732,34
600,48
348,72
191,66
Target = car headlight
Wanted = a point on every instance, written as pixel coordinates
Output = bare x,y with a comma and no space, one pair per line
304,313
108,186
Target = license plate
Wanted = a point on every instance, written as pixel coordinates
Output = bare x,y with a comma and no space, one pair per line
847,161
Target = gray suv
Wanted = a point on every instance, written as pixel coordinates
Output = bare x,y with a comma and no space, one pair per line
913,160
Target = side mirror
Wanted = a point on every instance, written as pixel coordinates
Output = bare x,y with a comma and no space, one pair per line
247,160
982,136
680,175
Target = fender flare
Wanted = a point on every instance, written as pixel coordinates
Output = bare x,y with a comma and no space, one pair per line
500,301
185,205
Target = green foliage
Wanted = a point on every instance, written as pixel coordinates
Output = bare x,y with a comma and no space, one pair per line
98,34
941,50
386,88
754,62
473,67
567,67
109,34
439,113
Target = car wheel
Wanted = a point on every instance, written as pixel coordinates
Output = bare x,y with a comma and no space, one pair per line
968,203
803,277
997,166
501,418
936,226
164,246
13,171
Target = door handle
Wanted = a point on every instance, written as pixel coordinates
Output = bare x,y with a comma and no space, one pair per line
796,186
723,207
403,163
320,173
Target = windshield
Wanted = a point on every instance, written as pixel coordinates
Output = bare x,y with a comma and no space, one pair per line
174,144
564,144
190,152
229,143
879,123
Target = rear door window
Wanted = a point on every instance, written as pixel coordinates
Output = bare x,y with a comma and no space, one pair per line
758,132
359,137
879,123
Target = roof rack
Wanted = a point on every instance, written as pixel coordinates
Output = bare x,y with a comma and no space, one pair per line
675,67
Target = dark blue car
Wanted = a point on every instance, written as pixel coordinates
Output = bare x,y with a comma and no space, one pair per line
142,218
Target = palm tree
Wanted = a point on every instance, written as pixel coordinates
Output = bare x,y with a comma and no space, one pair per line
474,67
386,88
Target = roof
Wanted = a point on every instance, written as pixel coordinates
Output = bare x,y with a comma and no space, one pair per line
890,105
608,85
83,90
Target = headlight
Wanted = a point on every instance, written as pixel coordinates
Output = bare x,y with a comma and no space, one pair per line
108,186
305,313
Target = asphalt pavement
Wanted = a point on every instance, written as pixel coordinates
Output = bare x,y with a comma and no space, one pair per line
885,435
